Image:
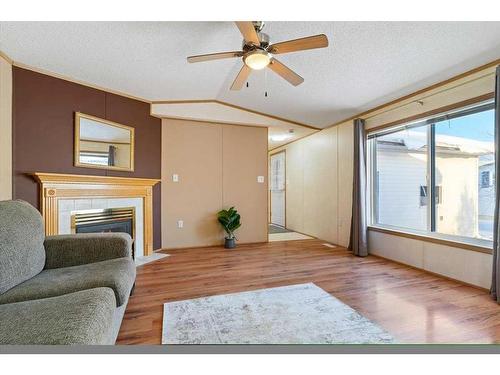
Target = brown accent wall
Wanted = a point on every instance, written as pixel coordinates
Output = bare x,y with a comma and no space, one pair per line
217,167
43,133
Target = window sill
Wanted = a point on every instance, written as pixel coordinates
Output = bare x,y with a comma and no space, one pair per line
485,246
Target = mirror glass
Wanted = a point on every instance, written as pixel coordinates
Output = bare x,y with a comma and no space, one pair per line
103,144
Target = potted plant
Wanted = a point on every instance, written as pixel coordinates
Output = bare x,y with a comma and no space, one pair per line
230,221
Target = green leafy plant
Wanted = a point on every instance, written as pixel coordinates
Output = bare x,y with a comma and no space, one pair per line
230,221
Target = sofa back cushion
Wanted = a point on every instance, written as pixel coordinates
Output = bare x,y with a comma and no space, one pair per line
22,254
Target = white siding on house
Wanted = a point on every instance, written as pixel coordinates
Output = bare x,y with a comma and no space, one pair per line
400,175
487,194
487,202
401,184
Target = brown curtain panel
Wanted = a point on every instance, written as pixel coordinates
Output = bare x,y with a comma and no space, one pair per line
495,283
359,235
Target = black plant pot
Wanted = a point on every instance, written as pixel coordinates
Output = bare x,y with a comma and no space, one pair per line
230,243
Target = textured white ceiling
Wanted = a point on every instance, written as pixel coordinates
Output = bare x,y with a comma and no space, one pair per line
367,63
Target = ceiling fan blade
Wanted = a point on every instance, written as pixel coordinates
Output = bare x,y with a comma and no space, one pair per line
241,78
309,42
285,72
248,32
214,56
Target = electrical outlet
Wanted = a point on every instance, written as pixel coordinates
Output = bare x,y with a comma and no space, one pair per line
260,179
180,224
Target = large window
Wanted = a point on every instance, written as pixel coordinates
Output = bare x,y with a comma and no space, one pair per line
435,176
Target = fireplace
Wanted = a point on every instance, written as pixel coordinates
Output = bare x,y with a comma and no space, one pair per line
63,195
105,220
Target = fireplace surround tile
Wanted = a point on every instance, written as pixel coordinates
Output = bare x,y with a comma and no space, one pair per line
83,204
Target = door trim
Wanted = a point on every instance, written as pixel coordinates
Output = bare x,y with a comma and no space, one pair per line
270,195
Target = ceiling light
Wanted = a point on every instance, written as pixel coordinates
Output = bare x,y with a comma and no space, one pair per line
257,59
280,137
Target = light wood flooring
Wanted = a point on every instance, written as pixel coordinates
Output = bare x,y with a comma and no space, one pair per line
414,306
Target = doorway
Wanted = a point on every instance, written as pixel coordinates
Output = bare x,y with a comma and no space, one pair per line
278,189
278,230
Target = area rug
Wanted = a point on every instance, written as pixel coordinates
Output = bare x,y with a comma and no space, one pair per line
294,314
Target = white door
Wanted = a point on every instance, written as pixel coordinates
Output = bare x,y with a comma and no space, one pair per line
277,187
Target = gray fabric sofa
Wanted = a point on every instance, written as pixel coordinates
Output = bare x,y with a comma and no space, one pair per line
60,290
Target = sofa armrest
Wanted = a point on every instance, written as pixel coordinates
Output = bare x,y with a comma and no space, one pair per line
76,249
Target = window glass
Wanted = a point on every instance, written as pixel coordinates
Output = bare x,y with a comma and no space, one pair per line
455,152
94,158
464,163
401,185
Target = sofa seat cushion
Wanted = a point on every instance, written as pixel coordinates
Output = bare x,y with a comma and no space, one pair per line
81,318
117,274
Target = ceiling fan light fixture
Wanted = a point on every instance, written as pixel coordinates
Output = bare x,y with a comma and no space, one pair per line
257,53
257,59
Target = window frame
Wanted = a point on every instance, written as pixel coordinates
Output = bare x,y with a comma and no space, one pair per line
471,243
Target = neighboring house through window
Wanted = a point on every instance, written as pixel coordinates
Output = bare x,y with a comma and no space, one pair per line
452,152
485,179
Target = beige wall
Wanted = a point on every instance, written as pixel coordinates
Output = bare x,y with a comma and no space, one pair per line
244,152
5,129
469,266
217,167
319,185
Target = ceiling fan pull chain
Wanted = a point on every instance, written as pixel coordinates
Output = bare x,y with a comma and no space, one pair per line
265,83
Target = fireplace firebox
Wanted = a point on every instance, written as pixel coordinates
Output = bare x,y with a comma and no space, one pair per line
105,220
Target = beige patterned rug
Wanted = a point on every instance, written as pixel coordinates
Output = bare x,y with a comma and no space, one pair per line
294,314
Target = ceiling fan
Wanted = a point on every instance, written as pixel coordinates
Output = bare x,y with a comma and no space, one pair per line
258,54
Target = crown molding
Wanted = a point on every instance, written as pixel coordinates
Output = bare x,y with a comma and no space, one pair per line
6,57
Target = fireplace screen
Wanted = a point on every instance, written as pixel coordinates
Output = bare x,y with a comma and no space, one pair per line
104,220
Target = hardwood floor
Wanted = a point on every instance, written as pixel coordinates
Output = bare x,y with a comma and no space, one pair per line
414,306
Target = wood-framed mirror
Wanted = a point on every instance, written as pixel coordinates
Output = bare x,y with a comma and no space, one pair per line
103,144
